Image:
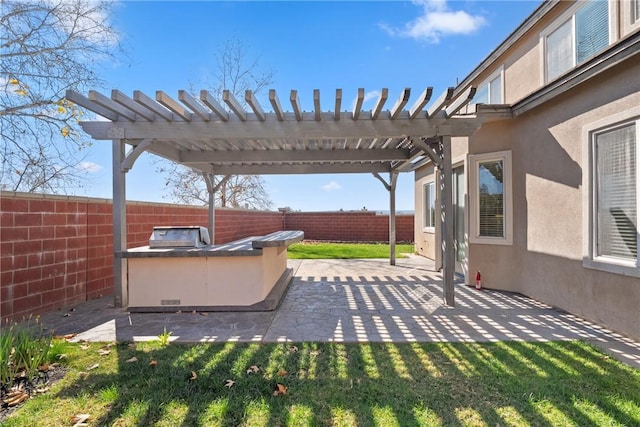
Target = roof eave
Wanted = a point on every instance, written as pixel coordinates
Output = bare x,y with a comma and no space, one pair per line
520,31
611,57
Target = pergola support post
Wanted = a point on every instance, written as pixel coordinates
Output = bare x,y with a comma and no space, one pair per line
447,219
208,179
391,188
393,177
212,218
120,283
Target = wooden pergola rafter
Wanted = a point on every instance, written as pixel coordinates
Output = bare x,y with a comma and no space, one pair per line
228,137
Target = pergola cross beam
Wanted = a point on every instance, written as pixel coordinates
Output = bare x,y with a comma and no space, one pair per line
278,156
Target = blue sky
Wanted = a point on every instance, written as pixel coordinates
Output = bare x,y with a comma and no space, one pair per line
309,45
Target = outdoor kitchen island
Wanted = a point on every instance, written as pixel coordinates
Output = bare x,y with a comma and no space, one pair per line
250,274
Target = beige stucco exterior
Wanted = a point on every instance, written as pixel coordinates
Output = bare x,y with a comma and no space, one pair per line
546,259
207,281
425,239
550,180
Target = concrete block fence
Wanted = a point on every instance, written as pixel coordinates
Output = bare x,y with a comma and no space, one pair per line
360,226
57,251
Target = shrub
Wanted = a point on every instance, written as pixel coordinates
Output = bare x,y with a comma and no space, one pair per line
24,354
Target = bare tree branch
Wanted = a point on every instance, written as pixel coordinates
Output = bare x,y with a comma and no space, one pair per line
237,73
47,48
186,186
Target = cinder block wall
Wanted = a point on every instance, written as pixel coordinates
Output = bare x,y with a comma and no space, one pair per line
44,254
234,224
231,224
57,251
349,226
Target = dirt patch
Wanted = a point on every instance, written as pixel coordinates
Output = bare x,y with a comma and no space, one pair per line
54,375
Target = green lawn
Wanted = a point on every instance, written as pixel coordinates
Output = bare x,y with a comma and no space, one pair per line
313,250
488,384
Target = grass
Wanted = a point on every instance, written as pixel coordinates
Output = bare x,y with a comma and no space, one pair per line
308,250
475,384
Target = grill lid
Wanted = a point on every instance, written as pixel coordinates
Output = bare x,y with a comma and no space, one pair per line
191,236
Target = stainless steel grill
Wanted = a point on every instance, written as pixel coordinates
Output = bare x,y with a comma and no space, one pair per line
179,237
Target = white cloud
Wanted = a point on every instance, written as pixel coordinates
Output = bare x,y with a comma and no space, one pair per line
89,167
87,20
332,186
374,94
437,21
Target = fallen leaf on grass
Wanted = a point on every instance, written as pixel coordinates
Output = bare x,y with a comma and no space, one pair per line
79,419
253,369
131,346
103,352
282,373
229,383
44,368
65,337
293,349
63,356
153,362
193,376
92,367
82,374
133,359
84,347
280,390
15,397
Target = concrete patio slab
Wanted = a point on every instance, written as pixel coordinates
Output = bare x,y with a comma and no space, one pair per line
355,301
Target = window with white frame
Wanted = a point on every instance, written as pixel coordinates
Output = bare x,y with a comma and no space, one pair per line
491,198
630,16
576,37
490,91
615,195
430,206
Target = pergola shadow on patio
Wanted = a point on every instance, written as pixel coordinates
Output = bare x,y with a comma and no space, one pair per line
355,301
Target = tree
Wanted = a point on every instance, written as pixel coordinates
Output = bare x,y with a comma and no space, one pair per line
47,47
238,191
237,73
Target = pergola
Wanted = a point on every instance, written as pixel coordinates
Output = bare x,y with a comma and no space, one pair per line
216,139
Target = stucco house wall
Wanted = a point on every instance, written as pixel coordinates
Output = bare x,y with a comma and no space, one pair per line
551,178
546,258
425,240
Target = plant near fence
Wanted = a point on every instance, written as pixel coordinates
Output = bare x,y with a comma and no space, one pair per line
25,355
